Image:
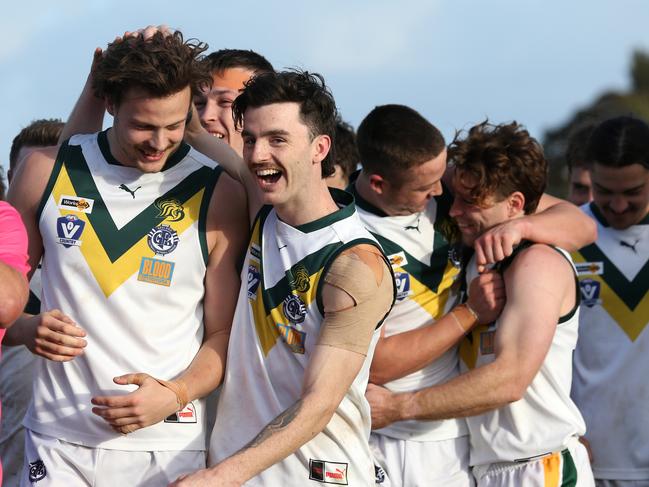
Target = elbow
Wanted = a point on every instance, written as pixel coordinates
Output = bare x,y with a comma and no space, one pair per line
11,308
378,377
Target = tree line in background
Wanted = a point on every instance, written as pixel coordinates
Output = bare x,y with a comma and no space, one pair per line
609,104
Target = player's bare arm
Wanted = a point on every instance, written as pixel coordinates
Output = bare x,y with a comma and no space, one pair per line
523,338
336,361
155,399
555,222
52,334
395,356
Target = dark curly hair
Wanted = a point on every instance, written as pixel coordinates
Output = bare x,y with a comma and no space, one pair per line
347,156
161,65
393,138
619,142
317,105
501,159
577,144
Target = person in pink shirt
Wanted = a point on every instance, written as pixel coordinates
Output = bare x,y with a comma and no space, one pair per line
14,288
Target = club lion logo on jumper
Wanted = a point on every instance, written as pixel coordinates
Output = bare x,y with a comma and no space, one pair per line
299,278
37,471
162,239
170,209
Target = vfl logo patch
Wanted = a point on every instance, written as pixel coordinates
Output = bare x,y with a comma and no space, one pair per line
162,239
398,259
590,268
402,283
328,472
254,279
294,309
37,471
292,337
156,271
299,278
69,228
171,210
75,203
590,292
185,415
487,342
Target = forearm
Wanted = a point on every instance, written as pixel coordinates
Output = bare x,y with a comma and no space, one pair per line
561,224
87,115
483,389
395,357
205,372
218,151
282,436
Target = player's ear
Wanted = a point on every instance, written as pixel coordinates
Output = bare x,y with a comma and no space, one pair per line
516,203
321,145
378,183
110,106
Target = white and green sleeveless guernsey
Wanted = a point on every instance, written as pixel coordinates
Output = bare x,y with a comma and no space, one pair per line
125,257
276,327
545,419
610,383
419,249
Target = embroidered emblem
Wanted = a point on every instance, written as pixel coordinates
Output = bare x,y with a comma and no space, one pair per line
254,278
69,228
171,210
590,290
128,190
37,471
162,239
299,278
294,309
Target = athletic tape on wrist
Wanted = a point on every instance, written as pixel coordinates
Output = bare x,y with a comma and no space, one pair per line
179,388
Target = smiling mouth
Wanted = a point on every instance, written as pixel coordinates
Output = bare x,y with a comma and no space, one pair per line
152,156
218,135
268,175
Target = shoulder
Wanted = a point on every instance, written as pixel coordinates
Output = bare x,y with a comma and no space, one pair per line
32,176
539,261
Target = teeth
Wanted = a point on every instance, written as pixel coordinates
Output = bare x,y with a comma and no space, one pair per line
217,135
267,172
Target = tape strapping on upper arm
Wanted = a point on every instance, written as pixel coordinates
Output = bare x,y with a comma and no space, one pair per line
351,328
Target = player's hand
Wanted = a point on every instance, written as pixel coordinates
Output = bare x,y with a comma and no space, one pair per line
499,242
54,336
204,478
149,404
383,405
487,296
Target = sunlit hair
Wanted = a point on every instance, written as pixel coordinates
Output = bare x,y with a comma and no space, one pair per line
162,65
499,160
219,61
392,139
317,106
619,142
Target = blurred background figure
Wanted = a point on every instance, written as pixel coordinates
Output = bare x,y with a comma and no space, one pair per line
16,369
346,155
579,185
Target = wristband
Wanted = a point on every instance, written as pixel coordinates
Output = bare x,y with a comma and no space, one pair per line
179,388
464,316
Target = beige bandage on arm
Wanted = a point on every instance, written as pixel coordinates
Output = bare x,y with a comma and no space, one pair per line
179,388
362,273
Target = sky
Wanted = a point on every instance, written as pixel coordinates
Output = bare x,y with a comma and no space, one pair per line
455,61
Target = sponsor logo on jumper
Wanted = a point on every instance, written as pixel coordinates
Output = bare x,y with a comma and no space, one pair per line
299,278
379,474
255,252
75,203
162,239
128,190
402,283
293,337
185,415
254,278
37,471
590,268
69,228
398,259
328,472
487,342
294,309
171,210
590,290
156,271
415,226
455,255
